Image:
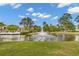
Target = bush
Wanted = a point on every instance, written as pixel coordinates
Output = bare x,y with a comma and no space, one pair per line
24,33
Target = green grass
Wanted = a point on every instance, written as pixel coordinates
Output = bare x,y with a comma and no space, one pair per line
74,33
66,48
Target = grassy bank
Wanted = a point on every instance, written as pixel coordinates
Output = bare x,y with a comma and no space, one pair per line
72,33
39,48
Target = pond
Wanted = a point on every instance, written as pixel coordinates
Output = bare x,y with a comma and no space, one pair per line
53,37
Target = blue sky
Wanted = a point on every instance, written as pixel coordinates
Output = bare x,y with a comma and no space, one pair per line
39,12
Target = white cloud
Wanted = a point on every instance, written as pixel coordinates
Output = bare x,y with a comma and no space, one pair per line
21,16
34,20
41,15
73,10
3,4
30,9
15,6
27,14
34,14
46,16
61,5
54,18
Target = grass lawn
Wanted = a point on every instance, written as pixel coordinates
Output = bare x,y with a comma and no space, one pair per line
66,48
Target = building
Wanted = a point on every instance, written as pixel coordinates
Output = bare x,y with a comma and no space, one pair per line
3,28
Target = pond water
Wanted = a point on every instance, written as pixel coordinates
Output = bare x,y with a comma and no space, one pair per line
53,37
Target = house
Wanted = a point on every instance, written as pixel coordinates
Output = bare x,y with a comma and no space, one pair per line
3,28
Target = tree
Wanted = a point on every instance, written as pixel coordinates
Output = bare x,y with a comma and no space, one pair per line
53,28
66,22
45,27
27,22
12,27
77,20
37,28
67,16
1,25
60,27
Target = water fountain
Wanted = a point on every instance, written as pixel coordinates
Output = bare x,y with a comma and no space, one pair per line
43,36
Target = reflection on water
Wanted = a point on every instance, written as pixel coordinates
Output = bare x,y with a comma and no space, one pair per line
66,37
11,37
54,37
76,37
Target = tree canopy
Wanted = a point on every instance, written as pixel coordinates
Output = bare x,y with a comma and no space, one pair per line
66,22
12,27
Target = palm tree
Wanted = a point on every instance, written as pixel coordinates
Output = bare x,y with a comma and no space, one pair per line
44,23
26,22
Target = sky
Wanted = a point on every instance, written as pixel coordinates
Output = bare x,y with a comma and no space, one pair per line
12,13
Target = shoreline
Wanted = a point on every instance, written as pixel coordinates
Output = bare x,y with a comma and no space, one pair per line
71,33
